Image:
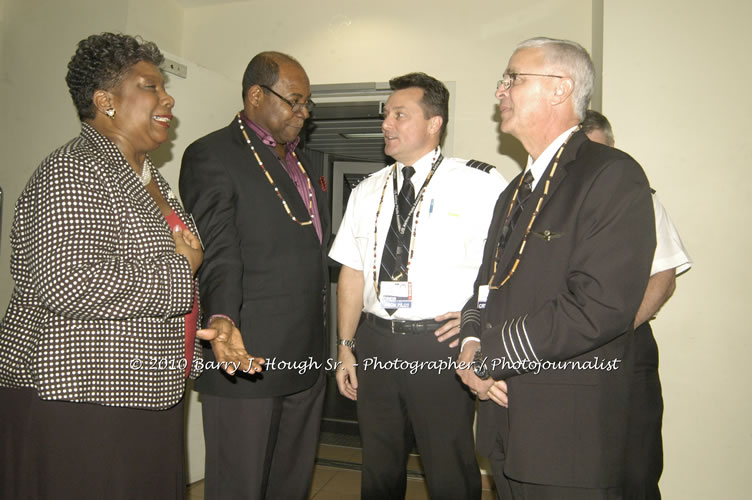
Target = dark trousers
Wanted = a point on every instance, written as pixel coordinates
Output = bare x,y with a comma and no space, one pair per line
262,448
644,452
509,489
644,456
394,404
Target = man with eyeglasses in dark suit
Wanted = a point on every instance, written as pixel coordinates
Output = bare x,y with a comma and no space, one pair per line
564,270
264,220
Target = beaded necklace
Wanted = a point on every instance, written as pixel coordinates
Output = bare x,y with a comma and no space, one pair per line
435,162
271,181
532,219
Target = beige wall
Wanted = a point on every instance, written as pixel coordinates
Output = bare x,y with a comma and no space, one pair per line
675,83
341,41
159,21
37,39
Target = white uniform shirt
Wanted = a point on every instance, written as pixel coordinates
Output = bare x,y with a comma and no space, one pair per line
448,236
669,250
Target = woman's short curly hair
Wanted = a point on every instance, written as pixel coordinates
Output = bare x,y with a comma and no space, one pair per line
101,62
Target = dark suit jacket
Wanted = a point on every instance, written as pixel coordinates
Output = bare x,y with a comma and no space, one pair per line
572,298
263,270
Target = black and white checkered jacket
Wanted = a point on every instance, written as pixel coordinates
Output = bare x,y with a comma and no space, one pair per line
97,312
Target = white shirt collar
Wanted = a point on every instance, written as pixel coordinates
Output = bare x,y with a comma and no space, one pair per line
538,167
422,167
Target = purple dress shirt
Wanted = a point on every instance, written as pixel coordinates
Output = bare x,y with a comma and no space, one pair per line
290,164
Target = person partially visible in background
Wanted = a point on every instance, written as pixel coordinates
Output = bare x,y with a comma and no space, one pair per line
644,460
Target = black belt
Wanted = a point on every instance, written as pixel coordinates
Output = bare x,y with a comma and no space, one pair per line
403,327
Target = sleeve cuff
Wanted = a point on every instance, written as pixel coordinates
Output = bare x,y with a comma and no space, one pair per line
466,340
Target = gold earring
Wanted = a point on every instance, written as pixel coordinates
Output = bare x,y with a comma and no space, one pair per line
110,112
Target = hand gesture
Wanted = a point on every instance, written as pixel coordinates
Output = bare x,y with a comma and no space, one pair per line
229,349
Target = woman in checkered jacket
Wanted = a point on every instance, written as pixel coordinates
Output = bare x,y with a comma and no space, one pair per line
100,333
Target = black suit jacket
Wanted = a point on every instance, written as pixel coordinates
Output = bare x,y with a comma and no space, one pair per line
262,269
558,327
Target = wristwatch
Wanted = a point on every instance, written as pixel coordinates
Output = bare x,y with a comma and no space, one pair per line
347,343
479,367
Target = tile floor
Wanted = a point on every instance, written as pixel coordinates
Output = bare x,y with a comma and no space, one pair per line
339,483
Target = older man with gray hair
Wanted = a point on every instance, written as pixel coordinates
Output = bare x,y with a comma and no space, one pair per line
549,329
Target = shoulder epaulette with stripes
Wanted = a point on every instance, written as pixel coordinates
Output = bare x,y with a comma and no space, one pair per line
480,165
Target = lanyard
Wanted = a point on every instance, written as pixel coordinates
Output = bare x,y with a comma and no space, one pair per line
418,202
521,250
401,226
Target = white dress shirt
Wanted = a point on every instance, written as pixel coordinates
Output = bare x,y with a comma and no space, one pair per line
538,167
669,250
448,235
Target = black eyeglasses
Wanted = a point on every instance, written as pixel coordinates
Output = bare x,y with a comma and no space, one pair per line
509,79
296,106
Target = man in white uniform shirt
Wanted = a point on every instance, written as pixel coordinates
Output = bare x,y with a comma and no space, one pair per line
407,269
644,461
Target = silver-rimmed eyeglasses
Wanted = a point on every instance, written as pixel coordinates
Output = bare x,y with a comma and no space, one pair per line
509,79
296,106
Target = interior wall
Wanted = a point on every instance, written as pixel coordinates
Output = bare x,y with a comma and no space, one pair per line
674,88
596,54
161,19
340,41
37,112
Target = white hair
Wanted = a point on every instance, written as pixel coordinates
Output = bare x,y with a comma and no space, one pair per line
574,60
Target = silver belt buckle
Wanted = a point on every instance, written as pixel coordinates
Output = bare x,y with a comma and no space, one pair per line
398,331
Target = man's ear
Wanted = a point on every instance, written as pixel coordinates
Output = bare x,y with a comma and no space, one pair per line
254,95
563,90
435,123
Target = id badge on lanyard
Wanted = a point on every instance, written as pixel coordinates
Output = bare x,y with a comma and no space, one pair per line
396,294
482,296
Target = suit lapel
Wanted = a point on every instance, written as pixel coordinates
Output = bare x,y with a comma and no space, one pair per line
117,166
497,224
567,156
127,178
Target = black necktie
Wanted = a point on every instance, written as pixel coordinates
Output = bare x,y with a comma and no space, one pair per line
526,188
396,248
